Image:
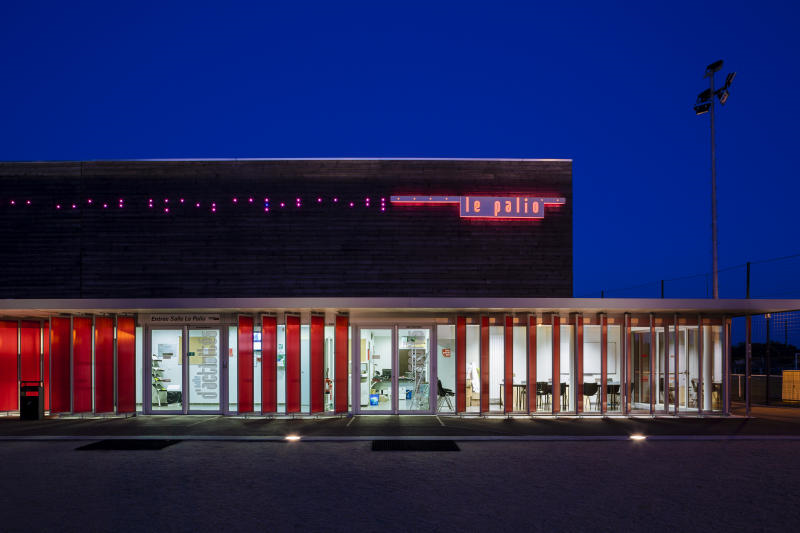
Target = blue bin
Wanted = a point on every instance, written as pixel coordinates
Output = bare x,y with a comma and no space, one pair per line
408,394
373,399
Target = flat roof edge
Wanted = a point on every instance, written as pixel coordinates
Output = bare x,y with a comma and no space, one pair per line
200,159
635,305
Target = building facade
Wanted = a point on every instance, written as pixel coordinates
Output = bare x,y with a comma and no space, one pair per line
291,287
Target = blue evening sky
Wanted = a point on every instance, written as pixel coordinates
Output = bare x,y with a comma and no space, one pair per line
609,85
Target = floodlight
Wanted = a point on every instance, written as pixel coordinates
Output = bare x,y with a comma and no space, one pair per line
704,96
702,108
729,79
723,94
713,67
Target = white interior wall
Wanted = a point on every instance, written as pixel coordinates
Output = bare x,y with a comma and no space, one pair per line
544,353
496,362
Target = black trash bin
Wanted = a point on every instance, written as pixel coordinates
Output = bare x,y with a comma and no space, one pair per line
31,400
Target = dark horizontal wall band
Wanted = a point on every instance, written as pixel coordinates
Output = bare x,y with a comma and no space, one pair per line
240,250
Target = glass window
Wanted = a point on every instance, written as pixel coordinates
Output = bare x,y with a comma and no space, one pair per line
233,368
566,368
592,368
446,368
166,369
257,366
473,388
413,355
204,359
376,369
712,368
640,357
305,373
614,378
281,376
520,367
496,366
689,377
544,368
329,368
139,370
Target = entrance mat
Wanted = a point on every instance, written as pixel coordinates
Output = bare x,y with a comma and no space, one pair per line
129,444
400,445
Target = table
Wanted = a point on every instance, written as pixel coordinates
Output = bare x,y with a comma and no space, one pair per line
518,393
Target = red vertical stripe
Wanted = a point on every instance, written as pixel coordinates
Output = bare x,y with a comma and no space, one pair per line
46,363
316,369
269,364
340,363
508,375
532,364
292,364
9,393
628,365
461,364
244,367
556,364
579,363
29,351
103,364
126,365
81,364
484,364
59,364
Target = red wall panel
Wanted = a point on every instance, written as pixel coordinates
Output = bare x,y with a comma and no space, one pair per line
556,364
340,373
30,351
316,364
244,367
532,364
461,364
126,365
46,363
9,393
269,364
103,364
484,369
508,360
59,365
292,364
81,364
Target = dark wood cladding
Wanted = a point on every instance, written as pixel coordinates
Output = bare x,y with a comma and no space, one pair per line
320,249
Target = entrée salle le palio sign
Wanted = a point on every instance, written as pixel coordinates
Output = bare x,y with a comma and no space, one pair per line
496,207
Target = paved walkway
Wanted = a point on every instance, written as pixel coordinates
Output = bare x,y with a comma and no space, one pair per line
765,423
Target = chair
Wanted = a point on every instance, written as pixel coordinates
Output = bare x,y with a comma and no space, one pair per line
444,394
543,391
589,390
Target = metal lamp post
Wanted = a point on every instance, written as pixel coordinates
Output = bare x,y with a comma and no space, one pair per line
704,104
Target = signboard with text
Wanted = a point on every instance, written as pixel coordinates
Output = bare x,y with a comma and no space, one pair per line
492,207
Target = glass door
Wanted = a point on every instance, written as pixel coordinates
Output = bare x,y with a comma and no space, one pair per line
187,370
414,369
377,370
394,370
166,370
204,370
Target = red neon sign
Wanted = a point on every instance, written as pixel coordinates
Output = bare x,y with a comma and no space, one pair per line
495,207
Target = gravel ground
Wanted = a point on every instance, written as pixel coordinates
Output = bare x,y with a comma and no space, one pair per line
529,486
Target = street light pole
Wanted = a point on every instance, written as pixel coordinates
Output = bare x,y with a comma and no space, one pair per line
714,267
704,104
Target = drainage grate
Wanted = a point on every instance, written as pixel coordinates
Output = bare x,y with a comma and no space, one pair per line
129,444
400,445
